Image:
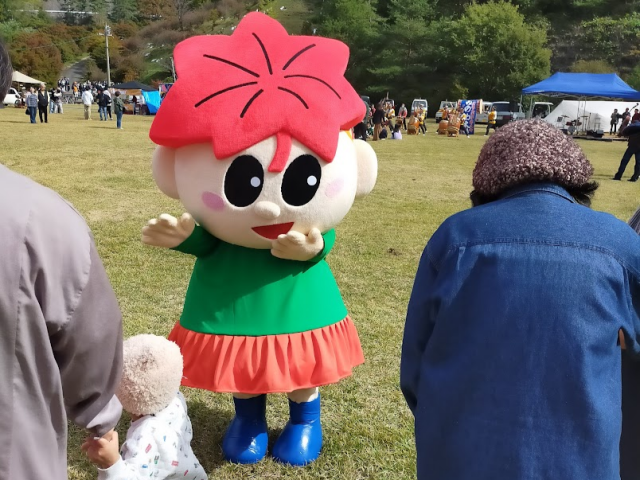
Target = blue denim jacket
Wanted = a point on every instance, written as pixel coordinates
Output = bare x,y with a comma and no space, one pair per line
510,360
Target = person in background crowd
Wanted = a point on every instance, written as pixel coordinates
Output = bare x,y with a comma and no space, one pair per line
493,114
626,114
384,133
61,340
422,121
636,116
107,94
615,118
503,387
463,122
402,114
32,104
43,103
134,100
118,106
397,134
633,148
57,98
378,118
626,120
52,104
102,104
87,101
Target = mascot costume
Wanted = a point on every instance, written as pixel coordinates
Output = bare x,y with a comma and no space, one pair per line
255,141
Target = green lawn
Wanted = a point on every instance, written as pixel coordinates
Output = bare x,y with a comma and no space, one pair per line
105,173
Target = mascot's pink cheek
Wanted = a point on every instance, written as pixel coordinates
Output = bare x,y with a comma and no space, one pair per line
334,188
213,201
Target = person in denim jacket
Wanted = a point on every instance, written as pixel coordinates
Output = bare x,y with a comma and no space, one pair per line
511,361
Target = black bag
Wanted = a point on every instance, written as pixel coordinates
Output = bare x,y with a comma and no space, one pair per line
26,111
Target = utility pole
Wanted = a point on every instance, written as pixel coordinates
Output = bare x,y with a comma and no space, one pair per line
107,34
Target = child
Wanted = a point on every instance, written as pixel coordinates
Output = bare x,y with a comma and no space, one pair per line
158,440
397,135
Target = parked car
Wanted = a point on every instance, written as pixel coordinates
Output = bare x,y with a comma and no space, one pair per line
508,112
12,98
445,104
540,110
420,103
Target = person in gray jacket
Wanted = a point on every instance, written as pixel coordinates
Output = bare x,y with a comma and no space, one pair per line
61,328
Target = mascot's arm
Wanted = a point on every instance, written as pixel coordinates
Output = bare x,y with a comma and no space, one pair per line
200,243
304,248
181,234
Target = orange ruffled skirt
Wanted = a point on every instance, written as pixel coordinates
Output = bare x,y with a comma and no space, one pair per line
271,363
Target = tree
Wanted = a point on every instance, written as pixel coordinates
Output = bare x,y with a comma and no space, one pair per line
35,54
592,66
495,52
633,79
181,7
123,10
357,24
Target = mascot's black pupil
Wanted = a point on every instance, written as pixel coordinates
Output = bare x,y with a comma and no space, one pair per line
301,180
243,181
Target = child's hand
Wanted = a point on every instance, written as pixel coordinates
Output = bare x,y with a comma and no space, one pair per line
103,452
297,246
167,231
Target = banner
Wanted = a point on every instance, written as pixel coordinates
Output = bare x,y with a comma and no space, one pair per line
470,110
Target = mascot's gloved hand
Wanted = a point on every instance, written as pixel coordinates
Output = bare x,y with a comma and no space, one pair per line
297,246
167,231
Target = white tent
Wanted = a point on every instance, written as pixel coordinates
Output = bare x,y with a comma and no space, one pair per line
593,115
22,78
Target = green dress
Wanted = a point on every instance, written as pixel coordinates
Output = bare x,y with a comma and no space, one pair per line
242,291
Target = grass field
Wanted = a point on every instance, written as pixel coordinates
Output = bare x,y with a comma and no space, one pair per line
105,173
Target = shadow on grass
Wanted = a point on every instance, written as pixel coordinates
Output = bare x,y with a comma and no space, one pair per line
26,122
209,425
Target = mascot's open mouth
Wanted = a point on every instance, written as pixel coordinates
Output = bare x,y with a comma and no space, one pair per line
272,231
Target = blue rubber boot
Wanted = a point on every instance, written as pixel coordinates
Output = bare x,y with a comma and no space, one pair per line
246,438
301,440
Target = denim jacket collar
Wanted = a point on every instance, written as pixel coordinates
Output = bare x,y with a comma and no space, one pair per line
542,187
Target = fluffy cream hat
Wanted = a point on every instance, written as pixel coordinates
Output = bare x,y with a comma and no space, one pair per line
151,374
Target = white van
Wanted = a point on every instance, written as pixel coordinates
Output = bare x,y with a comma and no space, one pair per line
445,104
483,116
540,110
419,103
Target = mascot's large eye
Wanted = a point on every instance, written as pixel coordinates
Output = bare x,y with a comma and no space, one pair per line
244,180
301,180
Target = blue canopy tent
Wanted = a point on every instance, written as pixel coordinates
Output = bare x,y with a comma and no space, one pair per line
583,86
152,99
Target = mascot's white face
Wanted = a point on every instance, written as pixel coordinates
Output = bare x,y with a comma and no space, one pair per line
240,202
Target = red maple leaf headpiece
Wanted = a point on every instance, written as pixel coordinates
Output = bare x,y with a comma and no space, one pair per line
238,90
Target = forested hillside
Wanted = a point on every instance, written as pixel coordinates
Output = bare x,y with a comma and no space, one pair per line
479,49
424,48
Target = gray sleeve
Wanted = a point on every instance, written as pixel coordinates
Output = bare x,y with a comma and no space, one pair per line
88,350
